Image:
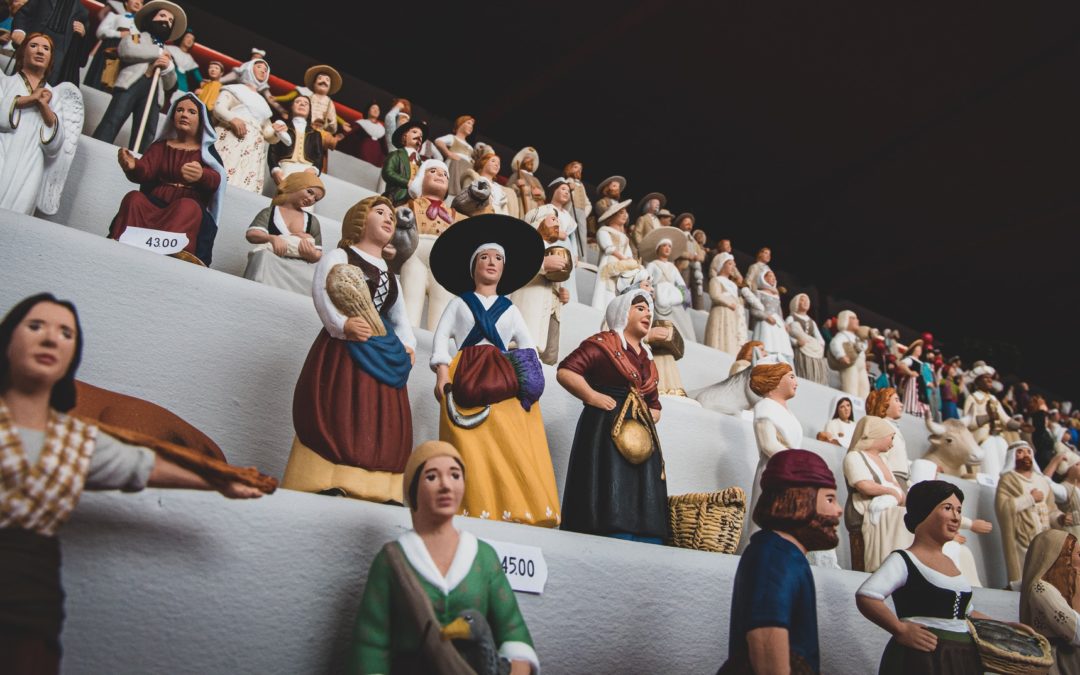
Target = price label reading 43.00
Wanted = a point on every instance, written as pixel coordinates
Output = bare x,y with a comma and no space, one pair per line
524,566
165,243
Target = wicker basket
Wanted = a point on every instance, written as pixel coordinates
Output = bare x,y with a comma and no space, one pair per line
998,660
708,521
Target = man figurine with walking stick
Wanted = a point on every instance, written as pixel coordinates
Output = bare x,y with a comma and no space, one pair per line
147,71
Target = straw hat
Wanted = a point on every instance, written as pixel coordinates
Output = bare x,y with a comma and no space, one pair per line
335,77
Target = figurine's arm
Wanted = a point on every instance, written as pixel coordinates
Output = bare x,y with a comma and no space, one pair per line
767,441
870,599
372,638
770,650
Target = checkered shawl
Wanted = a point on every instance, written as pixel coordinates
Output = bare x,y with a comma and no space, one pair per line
41,497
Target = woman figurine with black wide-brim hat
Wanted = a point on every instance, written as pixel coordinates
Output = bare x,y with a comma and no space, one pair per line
490,393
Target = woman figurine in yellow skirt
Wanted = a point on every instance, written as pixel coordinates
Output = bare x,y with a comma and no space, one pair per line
489,392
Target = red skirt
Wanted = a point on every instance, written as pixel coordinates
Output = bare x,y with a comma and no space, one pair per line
181,215
347,416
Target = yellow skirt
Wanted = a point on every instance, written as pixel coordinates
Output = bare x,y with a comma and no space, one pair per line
508,473
307,471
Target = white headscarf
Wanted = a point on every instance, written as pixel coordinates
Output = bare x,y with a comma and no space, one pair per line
618,315
416,185
485,247
722,258
631,279
1010,458
794,304
843,319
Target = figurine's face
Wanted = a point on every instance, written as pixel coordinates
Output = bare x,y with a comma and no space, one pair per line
162,23
441,487
917,351
663,250
853,323
435,183
38,52
492,166
413,137
845,411
699,237
467,127
214,71
788,385
373,112
42,346
302,199
828,506
551,222
640,319
574,170
133,5
186,41
725,246
186,117
260,70
528,164
686,224
804,304
943,523
322,84
665,221
764,255
620,218
379,225
652,206
1024,458
488,268
613,189
895,409
301,107
728,268
770,278
561,195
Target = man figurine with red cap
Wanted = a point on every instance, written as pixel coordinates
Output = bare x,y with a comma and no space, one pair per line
773,608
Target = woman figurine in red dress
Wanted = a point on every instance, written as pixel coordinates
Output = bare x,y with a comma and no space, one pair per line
180,181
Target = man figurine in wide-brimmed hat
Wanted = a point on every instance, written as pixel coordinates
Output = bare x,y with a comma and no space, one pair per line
403,163
580,206
648,220
690,262
774,605
529,189
608,192
159,21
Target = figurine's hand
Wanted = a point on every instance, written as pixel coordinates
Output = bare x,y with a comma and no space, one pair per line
1065,519
1037,494
554,263
915,636
162,61
280,248
655,415
306,249
442,381
78,27
346,128
771,319
126,159
43,97
564,296
357,329
237,490
982,526
960,539
191,172
238,127
280,127
412,355
901,499
602,401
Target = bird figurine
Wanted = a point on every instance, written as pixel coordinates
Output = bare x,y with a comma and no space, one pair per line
474,641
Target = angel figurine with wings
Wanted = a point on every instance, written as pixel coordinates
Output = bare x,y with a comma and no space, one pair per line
39,130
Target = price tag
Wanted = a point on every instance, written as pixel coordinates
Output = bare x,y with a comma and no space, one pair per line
158,241
986,479
524,566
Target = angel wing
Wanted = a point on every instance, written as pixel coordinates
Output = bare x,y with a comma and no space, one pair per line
67,104
731,396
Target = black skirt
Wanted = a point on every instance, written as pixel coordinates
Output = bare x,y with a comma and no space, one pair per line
604,493
31,599
956,654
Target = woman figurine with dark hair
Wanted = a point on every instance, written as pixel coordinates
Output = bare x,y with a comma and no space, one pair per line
437,600
840,428
1050,595
489,393
615,483
48,459
351,404
180,183
371,131
932,598
303,150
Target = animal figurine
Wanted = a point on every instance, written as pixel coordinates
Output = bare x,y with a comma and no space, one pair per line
404,242
733,395
954,449
475,199
474,641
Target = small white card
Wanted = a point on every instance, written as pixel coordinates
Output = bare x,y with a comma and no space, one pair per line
858,407
158,241
524,566
986,479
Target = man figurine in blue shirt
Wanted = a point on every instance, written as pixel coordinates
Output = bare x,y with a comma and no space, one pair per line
773,609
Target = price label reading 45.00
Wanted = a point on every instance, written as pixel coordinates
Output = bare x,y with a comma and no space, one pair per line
524,566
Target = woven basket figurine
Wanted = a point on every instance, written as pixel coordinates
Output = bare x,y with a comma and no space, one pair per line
1010,651
348,290
708,521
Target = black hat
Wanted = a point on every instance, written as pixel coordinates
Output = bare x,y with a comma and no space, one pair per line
452,250
923,497
400,131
